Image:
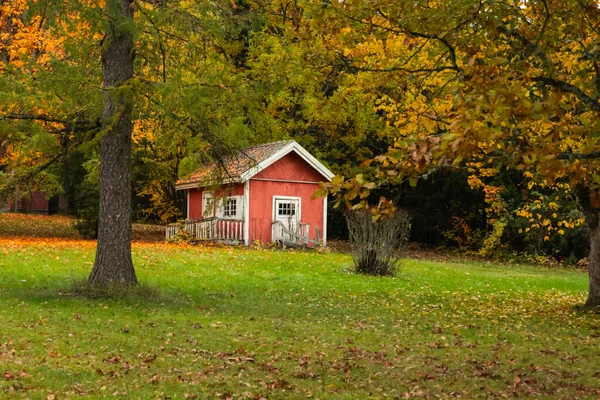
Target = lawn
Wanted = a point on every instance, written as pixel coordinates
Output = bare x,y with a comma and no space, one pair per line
216,322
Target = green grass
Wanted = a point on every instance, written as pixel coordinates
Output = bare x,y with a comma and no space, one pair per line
237,323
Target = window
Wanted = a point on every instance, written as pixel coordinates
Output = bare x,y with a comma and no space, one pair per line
230,209
286,209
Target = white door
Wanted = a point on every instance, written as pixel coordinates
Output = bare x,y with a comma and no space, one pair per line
287,211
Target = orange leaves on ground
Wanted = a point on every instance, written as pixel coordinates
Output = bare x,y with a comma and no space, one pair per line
21,242
21,225
31,242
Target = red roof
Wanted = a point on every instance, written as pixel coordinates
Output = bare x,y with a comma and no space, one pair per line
234,166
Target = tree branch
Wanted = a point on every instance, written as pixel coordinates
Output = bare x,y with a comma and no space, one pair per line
545,24
592,104
73,125
573,156
405,31
530,47
441,39
348,63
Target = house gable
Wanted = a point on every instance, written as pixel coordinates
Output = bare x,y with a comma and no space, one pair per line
291,146
290,167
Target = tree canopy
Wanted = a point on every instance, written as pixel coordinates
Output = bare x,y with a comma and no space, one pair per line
485,86
505,94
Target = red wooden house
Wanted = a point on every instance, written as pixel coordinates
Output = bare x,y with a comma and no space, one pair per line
262,194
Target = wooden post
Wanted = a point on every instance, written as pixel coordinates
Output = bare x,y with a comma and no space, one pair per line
317,242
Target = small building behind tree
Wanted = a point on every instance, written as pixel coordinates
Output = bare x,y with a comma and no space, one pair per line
34,202
262,194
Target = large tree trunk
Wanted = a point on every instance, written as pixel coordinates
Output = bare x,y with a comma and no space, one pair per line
594,259
113,265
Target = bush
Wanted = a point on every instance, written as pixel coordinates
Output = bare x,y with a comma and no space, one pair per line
88,201
377,246
87,225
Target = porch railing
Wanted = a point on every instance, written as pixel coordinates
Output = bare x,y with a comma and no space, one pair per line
294,235
217,229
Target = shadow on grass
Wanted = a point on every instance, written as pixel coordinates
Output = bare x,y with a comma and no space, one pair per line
147,296
582,309
82,289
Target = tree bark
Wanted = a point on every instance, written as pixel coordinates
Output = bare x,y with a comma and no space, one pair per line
113,264
594,260
63,198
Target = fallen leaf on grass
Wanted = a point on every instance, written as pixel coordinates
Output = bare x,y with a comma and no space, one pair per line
150,358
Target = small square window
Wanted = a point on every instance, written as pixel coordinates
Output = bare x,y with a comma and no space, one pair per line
286,209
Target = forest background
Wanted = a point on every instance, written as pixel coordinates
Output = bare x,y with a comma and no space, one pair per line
478,118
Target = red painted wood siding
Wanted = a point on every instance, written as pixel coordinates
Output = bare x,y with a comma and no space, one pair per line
195,204
236,189
292,167
195,199
36,202
261,207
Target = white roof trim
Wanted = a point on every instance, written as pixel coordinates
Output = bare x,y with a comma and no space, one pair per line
184,186
198,185
295,147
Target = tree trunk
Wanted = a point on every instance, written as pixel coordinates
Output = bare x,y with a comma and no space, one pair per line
113,265
594,259
63,198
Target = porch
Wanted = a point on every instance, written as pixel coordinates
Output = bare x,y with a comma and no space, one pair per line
231,231
215,229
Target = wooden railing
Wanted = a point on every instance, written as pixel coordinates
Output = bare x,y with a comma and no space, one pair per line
294,236
209,229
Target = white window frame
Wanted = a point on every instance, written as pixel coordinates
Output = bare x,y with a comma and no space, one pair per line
298,211
217,206
239,208
227,207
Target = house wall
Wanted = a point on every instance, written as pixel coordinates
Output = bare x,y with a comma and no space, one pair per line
261,207
292,167
195,199
36,202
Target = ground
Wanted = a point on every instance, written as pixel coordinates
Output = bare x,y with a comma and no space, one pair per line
222,322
